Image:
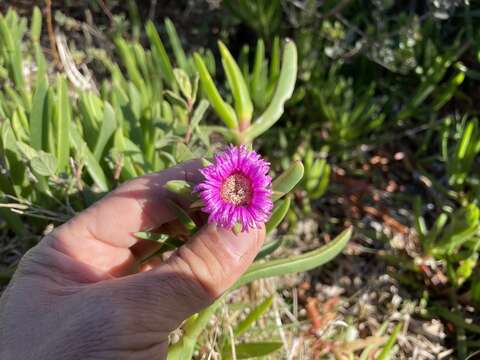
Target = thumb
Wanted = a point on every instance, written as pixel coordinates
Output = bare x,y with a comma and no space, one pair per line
215,258
197,273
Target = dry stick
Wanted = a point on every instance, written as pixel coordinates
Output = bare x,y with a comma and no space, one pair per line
188,134
51,33
279,323
232,342
106,10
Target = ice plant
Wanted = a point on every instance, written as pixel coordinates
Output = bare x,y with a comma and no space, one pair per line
237,189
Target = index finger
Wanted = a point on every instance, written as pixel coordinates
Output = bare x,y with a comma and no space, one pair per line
102,234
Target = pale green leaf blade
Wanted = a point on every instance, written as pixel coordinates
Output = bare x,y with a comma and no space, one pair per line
284,183
109,125
253,350
283,92
38,114
224,110
183,217
160,52
64,125
177,48
386,352
241,95
91,163
254,315
278,214
296,264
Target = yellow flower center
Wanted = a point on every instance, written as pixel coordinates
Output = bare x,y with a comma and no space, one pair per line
236,190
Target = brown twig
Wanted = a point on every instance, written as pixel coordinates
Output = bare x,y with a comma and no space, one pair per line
387,219
189,132
336,10
51,33
106,10
118,167
320,315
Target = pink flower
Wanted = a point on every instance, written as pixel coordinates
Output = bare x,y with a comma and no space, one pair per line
237,189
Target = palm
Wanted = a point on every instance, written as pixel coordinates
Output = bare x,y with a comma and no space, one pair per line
84,286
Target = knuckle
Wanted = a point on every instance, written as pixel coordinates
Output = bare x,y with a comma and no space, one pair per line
206,275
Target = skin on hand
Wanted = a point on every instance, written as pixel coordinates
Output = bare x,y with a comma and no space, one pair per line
81,293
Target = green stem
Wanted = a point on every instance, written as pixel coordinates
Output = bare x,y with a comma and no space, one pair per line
192,330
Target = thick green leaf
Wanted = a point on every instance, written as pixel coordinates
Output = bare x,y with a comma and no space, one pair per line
257,85
269,248
284,183
64,125
160,53
283,92
224,110
278,214
120,149
128,59
275,60
183,217
176,99
254,315
466,139
179,187
386,352
14,50
167,242
38,114
243,103
177,48
183,350
20,124
296,264
13,155
109,125
89,112
253,350
84,154
36,26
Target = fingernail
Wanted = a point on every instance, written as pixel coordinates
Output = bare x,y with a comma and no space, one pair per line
237,243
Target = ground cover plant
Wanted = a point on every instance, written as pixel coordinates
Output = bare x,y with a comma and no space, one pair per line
366,110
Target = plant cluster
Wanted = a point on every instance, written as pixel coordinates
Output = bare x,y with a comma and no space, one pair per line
341,97
66,142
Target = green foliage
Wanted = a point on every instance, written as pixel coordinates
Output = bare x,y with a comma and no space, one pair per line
140,122
454,239
259,270
355,81
317,175
238,122
63,146
460,159
263,16
352,114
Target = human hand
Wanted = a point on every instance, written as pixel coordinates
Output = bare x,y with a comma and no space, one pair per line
82,293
